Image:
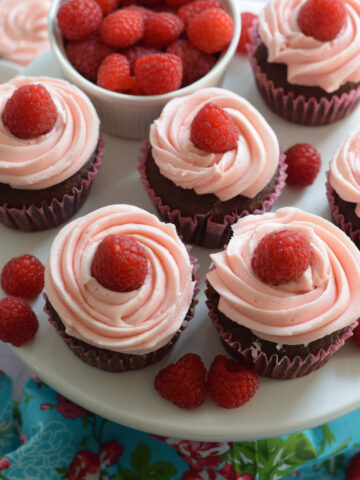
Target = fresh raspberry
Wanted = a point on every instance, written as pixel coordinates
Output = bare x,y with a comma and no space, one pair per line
195,63
23,277
114,73
322,19
303,164
122,28
78,19
356,335
158,73
210,31
213,130
353,471
107,6
120,263
183,382
145,12
189,11
247,19
281,257
86,55
29,112
161,29
230,383
18,323
176,3
151,3
133,54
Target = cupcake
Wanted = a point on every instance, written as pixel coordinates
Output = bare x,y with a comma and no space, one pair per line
203,178
307,80
283,296
114,314
50,151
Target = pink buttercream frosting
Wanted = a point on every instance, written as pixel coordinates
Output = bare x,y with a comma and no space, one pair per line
23,29
136,322
245,170
344,170
324,299
49,159
311,62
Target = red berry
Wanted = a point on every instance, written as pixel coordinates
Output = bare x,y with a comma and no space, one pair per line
230,383
145,12
353,471
303,164
29,112
107,6
23,276
247,19
211,30
176,3
281,257
122,28
158,73
78,19
120,263
183,382
133,54
161,29
114,73
18,323
213,130
356,335
322,19
189,11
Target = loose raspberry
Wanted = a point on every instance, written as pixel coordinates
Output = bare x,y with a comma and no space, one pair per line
161,29
145,12
122,28
189,11
213,130
23,277
158,73
303,164
18,323
195,63
353,471
29,112
281,257
247,20
151,3
211,31
120,263
176,3
183,382
114,73
133,54
78,19
356,335
230,383
322,19
107,6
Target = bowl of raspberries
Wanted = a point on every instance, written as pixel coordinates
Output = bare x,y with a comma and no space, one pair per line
132,56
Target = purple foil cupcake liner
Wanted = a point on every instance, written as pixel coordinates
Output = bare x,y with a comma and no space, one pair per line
202,230
50,214
112,361
297,109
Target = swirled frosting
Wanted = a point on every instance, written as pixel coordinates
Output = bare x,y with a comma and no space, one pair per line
51,158
344,170
23,29
324,299
245,170
136,322
311,62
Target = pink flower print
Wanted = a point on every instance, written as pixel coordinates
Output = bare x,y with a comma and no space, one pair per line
201,455
4,463
85,466
45,406
110,453
245,476
69,409
23,438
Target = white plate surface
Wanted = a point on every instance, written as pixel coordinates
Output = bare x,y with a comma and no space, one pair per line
278,407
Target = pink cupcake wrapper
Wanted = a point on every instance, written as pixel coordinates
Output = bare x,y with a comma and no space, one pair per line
48,215
202,230
297,109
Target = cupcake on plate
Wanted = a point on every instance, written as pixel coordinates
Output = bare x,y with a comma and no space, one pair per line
305,56
212,158
283,296
120,287
50,151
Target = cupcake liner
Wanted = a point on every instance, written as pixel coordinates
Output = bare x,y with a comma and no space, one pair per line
110,360
201,229
50,214
297,109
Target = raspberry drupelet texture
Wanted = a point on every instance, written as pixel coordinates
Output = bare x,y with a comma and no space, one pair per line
114,73
158,73
145,12
18,322
133,54
161,29
23,276
122,28
281,257
107,6
189,11
303,164
247,20
78,19
322,19
230,383
183,383
353,470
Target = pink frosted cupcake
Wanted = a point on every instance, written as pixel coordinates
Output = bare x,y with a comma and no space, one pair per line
136,324
202,192
287,329
303,79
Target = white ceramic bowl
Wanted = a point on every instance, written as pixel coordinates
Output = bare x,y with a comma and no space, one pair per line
129,115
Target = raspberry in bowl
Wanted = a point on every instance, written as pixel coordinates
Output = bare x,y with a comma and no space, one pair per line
165,63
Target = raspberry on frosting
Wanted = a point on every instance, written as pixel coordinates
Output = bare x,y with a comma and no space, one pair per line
322,19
